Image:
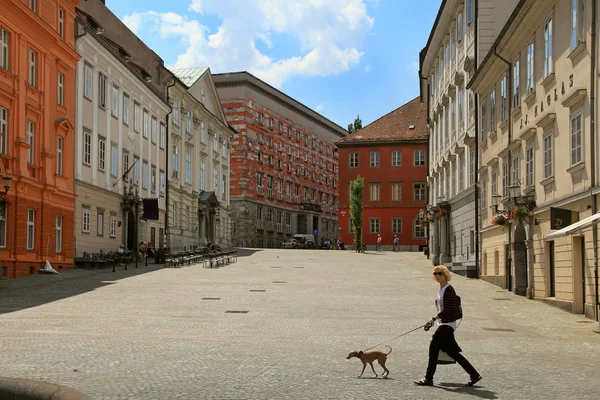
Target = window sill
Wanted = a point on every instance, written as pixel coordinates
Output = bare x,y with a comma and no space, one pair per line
516,112
493,134
85,233
503,125
531,97
547,181
580,166
550,78
576,51
87,98
529,190
115,116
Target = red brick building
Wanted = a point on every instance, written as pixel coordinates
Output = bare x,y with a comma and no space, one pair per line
390,155
284,167
37,97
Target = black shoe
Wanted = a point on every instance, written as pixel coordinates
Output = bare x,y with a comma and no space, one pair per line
474,380
424,382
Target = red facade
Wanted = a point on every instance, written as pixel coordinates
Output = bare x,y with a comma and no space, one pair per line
390,155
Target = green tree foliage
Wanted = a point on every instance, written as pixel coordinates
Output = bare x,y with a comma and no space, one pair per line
357,188
356,125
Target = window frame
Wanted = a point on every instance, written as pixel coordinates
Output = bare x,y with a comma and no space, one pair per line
548,153
32,68
101,154
395,225
374,161
421,190
88,81
419,159
4,49
374,192
579,147
60,92
548,47
59,155
102,79
99,223
353,159
30,244
31,127
529,166
530,82
377,222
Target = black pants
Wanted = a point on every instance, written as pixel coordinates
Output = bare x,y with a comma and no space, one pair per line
443,339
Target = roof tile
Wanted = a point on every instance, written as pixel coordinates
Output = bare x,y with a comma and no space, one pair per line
395,126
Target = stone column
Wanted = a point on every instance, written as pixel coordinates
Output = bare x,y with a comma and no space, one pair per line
443,238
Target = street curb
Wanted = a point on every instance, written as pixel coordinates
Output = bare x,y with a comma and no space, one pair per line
26,389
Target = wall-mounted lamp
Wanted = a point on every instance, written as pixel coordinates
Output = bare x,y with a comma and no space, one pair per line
7,182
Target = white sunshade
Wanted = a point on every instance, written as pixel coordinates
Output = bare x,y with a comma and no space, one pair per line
575,227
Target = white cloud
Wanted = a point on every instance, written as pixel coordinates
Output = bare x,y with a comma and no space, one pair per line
133,21
368,68
329,34
320,107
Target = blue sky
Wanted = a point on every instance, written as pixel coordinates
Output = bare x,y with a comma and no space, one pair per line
339,57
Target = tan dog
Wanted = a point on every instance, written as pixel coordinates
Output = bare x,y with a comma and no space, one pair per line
369,357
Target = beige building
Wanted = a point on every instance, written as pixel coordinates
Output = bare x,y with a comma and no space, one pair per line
536,152
199,146
461,37
120,140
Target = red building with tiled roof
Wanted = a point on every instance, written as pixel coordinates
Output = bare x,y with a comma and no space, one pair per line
390,154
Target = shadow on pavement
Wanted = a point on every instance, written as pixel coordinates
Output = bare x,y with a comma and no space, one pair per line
246,252
476,390
35,290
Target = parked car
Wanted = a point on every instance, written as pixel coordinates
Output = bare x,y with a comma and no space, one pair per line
291,244
309,244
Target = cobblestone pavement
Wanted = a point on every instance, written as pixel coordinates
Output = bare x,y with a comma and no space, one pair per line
153,333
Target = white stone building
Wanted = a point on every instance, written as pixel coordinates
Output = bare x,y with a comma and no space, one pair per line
120,127
199,148
462,35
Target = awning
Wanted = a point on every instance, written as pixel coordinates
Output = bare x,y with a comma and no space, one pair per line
575,227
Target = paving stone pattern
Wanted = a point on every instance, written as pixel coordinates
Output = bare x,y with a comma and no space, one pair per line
150,333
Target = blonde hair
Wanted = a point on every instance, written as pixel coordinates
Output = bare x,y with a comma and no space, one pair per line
443,269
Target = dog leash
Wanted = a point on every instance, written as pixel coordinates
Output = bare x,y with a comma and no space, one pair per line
396,337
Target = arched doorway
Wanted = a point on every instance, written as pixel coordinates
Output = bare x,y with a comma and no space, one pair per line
520,260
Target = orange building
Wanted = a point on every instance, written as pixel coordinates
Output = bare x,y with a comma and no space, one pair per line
37,97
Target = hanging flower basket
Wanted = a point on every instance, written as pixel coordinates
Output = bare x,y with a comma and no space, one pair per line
500,220
441,213
519,214
426,221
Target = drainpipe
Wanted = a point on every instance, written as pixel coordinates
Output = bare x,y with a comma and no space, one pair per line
476,152
593,158
167,230
509,90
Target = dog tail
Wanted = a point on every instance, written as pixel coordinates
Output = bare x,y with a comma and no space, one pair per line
390,348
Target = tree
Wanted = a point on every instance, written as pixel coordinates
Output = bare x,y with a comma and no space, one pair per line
356,125
357,187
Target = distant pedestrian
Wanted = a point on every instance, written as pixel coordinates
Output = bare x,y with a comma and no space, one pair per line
379,240
396,241
448,308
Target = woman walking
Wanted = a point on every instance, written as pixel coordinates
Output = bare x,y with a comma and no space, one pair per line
443,338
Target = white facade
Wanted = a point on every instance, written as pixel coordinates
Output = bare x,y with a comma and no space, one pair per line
461,37
119,121
199,149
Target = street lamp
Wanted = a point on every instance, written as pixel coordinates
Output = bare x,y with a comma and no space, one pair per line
7,184
495,204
